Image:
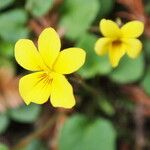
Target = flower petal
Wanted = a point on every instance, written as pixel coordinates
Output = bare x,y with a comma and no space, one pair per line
116,53
35,87
134,47
62,92
102,45
132,29
27,55
109,28
49,46
69,60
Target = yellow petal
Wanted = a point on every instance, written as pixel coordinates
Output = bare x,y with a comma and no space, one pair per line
69,60
102,45
109,28
134,47
27,55
49,46
116,52
62,93
132,29
35,87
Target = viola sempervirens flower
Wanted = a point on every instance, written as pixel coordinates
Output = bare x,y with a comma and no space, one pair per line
119,41
50,65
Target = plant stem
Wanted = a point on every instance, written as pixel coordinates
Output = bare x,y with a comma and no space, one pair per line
86,86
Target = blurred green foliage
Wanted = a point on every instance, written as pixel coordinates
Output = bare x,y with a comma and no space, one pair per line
94,65
5,3
4,121
106,106
77,18
82,133
129,70
23,114
106,8
12,25
38,8
3,147
35,145
146,81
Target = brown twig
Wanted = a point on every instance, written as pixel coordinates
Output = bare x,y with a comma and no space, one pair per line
139,127
49,20
35,26
137,94
135,7
53,142
142,103
135,12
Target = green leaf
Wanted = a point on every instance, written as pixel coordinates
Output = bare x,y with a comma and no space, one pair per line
25,114
3,147
81,133
15,16
5,3
4,122
7,63
35,145
146,81
107,6
39,8
94,64
77,16
12,25
6,49
129,70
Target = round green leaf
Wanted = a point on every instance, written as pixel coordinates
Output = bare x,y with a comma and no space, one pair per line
94,64
129,70
25,114
77,16
81,133
39,8
16,29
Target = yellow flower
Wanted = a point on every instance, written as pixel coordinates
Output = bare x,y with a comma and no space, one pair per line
119,41
50,65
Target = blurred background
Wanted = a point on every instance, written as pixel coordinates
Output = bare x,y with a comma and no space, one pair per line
113,105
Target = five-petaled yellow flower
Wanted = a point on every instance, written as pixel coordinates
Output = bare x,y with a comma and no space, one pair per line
50,65
118,41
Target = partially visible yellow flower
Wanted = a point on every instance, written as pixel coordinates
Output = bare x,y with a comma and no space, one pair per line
50,65
119,41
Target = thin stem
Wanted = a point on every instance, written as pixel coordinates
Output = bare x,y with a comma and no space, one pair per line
86,86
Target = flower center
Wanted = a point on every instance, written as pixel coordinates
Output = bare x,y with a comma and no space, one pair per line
116,43
46,77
